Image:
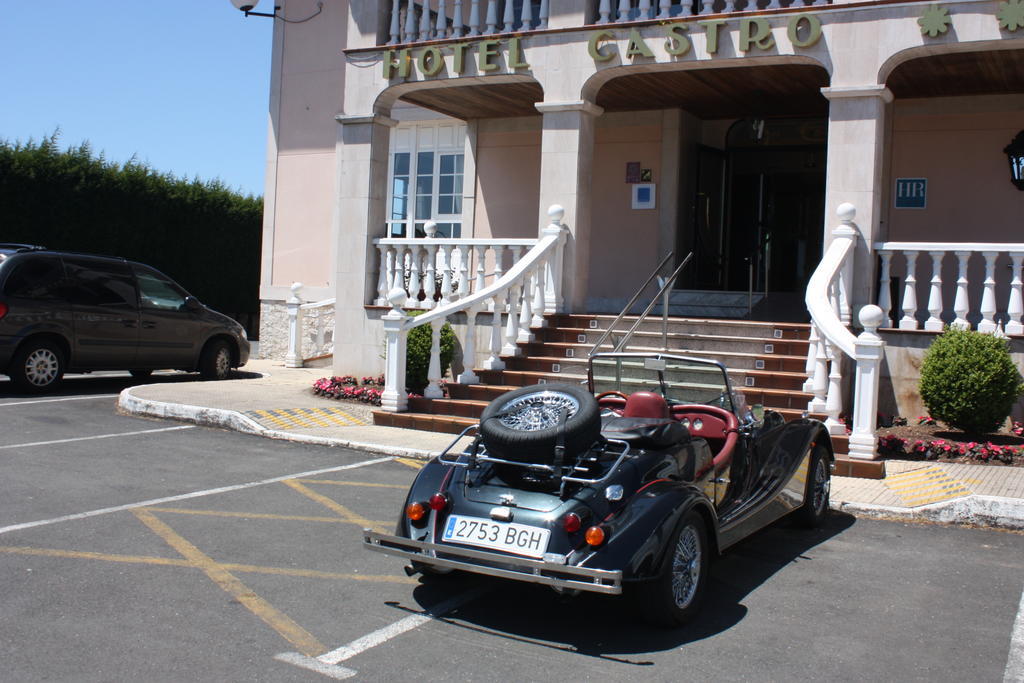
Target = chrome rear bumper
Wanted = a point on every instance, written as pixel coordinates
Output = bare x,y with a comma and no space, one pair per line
495,564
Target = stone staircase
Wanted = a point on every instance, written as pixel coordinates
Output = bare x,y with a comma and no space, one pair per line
766,362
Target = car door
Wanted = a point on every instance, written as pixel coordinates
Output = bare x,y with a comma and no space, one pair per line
104,306
169,332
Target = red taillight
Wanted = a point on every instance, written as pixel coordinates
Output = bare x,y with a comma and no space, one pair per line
415,511
438,501
594,536
572,522
3,309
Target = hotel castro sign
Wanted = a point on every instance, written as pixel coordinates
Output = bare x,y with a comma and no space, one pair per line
755,33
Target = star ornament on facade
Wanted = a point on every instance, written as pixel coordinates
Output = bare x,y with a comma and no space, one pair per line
1011,15
934,21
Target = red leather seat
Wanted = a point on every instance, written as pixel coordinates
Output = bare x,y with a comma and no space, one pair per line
646,404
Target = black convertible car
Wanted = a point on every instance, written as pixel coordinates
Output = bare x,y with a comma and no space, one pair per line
635,483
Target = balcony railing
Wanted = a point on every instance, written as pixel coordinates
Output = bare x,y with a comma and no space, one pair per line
617,11
414,21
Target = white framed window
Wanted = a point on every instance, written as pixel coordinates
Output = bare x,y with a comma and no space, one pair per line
425,178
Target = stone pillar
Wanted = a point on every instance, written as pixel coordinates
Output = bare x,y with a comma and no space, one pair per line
566,158
362,157
857,119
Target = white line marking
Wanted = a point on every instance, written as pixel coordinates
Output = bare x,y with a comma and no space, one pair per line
339,673
186,496
1015,660
398,628
58,400
93,438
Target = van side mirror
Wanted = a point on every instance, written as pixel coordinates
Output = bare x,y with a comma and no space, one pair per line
757,412
192,303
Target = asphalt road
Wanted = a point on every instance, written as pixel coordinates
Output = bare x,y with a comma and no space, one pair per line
134,549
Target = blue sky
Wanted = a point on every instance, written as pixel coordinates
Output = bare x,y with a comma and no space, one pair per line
182,85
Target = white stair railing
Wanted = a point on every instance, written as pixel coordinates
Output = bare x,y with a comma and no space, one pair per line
413,21
827,301
533,278
318,339
948,301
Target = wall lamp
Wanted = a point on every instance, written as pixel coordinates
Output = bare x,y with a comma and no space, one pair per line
248,6
1015,153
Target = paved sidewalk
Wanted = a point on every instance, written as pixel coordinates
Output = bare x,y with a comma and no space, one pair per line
277,402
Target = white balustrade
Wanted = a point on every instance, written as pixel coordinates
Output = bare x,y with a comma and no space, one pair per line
824,299
446,269
522,290
310,328
991,302
411,21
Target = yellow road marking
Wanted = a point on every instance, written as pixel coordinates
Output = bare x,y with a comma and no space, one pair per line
408,462
333,482
345,513
314,574
257,515
303,641
82,555
174,562
907,479
929,484
290,418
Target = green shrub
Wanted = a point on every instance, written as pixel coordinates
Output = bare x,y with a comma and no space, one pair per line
417,355
969,381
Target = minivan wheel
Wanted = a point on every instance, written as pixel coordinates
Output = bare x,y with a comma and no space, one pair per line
215,362
37,367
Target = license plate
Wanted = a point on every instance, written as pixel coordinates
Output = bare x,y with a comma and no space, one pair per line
520,539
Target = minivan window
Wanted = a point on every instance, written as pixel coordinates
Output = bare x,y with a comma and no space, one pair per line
157,292
37,277
98,283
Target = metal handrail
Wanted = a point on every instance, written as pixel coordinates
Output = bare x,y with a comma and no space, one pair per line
667,285
618,319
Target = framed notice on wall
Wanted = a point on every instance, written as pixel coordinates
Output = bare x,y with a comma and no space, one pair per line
643,196
911,193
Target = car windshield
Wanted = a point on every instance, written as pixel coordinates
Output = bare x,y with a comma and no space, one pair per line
678,379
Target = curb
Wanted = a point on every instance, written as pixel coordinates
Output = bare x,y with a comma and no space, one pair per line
974,510
236,421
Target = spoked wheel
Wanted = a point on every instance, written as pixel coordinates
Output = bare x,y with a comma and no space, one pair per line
819,483
37,367
675,596
526,424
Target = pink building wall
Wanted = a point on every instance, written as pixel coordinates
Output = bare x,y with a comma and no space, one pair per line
307,91
957,144
508,178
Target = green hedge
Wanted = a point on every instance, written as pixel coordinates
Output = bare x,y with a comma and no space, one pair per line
201,233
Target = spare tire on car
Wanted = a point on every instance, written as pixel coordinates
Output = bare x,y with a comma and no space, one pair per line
526,424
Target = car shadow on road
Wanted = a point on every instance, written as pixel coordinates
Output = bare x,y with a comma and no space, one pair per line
535,614
109,383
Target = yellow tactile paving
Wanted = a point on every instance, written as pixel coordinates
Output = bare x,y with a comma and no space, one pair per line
296,418
925,485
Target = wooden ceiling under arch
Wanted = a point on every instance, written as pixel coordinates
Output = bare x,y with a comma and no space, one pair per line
480,101
992,72
723,93
736,92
